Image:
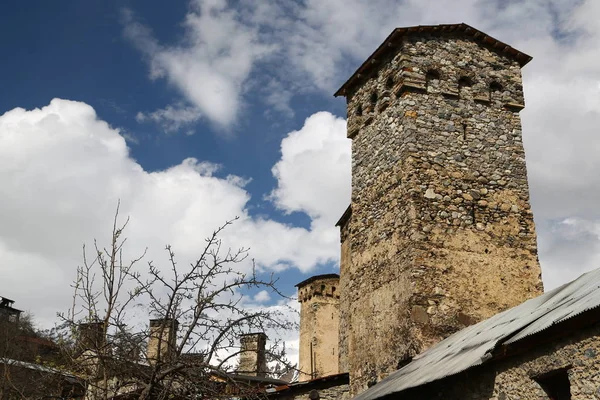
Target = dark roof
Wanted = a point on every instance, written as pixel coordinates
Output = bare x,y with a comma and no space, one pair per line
328,381
6,304
477,344
396,35
345,216
253,334
316,278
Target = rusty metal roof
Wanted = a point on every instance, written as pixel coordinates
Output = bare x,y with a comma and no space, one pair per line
395,38
473,345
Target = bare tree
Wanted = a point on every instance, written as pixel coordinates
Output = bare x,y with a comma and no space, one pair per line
198,315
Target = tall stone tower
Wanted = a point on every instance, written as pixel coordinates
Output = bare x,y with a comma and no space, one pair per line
439,233
319,326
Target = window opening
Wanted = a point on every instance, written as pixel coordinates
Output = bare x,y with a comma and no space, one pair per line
555,384
495,87
464,81
373,98
389,83
359,111
432,74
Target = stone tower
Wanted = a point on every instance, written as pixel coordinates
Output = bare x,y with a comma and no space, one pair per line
319,326
162,339
253,357
439,233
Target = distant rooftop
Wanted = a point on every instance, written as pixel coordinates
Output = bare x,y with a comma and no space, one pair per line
317,277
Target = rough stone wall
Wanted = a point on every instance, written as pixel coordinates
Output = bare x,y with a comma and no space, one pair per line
441,232
253,359
319,327
345,262
340,392
513,378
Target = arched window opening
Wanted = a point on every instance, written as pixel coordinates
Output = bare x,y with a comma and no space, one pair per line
495,87
432,74
373,98
359,111
464,81
389,83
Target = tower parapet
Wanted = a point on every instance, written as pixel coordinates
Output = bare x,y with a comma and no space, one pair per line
319,326
320,285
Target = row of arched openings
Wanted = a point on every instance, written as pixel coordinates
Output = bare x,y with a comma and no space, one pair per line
431,75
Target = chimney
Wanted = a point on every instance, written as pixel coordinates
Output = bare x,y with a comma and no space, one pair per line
90,335
163,339
253,359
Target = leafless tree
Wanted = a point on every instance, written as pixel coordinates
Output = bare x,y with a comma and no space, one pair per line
198,314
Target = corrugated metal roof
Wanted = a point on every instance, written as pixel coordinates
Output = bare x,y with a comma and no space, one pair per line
37,367
473,345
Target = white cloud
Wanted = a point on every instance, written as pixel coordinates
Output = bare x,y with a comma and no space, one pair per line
211,64
170,118
262,296
62,172
313,174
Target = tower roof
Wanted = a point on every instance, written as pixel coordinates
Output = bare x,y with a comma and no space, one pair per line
316,278
395,38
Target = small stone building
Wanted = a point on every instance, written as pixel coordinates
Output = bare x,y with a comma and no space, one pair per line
545,348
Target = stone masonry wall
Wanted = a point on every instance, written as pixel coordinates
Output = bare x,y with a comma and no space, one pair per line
441,232
319,327
253,359
340,392
345,262
513,378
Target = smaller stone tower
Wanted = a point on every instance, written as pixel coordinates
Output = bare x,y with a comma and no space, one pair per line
253,359
319,326
90,335
163,339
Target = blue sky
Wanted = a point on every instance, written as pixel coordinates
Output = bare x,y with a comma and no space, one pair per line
194,112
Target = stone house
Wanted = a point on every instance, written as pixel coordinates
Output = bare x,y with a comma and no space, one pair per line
439,293
545,348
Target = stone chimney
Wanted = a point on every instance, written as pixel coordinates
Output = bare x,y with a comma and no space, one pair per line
90,335
163,339
253,359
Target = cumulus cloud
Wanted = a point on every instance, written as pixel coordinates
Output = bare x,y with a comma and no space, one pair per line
63,170
211,64
313,174
262,296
